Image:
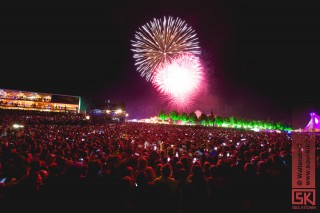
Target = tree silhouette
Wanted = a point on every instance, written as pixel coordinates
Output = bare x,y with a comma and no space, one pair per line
193,118
218,121
174,115
224,121
163,115
203,119
184,117
211,119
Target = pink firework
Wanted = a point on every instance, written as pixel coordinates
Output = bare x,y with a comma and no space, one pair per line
180,104
179,80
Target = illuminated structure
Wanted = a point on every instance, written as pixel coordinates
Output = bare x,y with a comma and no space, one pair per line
156,120
24,100
114,111
314,124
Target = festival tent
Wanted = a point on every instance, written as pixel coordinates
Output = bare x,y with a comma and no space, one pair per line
314,124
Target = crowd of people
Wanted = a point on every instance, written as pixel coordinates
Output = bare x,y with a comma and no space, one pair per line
59,158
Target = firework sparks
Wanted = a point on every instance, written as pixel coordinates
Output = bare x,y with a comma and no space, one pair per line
180,80
161,40
180,105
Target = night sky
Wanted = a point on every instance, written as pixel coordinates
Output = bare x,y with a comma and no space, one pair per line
261,57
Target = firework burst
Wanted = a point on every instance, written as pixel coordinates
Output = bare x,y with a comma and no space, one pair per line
161,40
179,80
180,105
